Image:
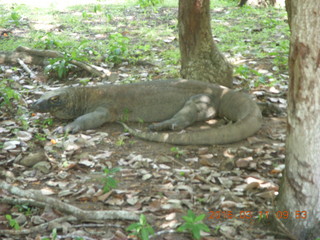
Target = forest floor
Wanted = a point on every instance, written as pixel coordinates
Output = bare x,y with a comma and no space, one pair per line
233,185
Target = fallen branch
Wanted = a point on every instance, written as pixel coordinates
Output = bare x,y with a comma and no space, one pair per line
80,214
98,71
39,57
15,201
26,68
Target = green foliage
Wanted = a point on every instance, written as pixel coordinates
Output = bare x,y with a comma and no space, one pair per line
245,71
12,222
47,41
192,226
61,66
45,123
25,209
149,3
177,151
125,115
141,229
171,56
97,8
216,229
9,102
54,235
108,181
15,18
7,94
120,142
41,137
84,81
117,48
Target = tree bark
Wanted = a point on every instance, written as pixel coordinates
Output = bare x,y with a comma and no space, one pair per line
300,187
200,58
288,9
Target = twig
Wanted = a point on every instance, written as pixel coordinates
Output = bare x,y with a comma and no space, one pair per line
25,67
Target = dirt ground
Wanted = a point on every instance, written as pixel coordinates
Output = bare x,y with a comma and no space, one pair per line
233,185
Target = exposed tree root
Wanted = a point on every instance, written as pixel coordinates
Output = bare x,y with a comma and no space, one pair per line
36,198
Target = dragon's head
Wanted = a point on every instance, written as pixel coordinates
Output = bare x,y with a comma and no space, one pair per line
56,102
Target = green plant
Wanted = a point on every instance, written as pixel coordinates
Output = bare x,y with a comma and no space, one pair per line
177,151
117,48
108,17
216,229
15,18
120,142
97,8
41,137
7,94
191,224
53,235
84,81
47,122
60,65
125,115
12,222
141,229
108,181
171,56
47,41
25,209
149,3
245,71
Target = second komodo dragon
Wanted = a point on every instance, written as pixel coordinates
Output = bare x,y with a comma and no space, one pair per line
172,104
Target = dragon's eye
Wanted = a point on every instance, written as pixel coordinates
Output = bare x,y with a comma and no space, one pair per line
54,99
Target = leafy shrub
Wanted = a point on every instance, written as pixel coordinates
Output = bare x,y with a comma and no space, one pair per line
61,66
141,229
7,94
108,181
193,224
117,48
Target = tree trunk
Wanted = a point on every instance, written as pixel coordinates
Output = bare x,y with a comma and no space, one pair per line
200,58
288,9
300,187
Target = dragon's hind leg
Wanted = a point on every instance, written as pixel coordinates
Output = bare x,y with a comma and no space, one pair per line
197,108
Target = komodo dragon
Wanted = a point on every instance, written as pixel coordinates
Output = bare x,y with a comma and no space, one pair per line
173,104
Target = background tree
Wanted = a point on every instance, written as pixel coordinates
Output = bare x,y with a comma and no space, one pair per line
200,58
300,188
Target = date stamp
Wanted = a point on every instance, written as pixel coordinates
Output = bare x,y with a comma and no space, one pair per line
256,215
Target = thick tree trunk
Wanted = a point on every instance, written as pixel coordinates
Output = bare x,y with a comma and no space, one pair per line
300,188
200,58
288,9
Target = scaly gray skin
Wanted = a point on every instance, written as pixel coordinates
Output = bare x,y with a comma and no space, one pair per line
174,104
